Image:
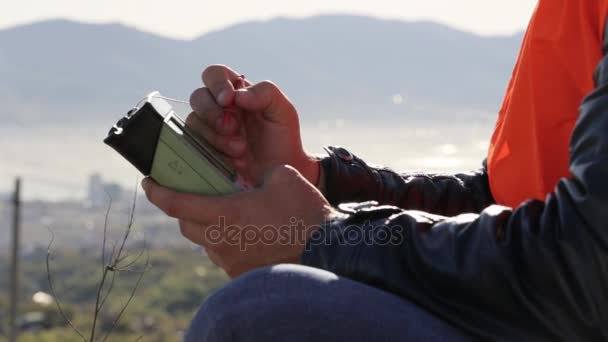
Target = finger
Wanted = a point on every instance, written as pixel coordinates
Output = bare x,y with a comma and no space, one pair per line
200,234
265,97
192,231
206,108
221,81
210,237
233,146
190,207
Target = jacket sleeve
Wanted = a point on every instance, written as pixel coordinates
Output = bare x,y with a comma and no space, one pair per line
538,272
350,179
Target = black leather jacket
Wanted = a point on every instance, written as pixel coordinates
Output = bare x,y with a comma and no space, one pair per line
538,272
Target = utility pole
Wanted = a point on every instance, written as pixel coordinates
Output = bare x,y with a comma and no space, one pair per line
14,294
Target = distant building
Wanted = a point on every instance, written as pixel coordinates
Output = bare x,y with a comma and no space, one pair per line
99,192
96,195
113,190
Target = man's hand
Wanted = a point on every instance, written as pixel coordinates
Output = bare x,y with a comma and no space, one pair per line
244,231
262,132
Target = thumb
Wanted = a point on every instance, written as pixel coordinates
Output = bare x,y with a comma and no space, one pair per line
189,207
284,176
267,98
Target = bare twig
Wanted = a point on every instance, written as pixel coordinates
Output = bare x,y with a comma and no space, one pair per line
132,262
50,280
118,261
129,226
124,307
104,272
105,232
109,290
113,266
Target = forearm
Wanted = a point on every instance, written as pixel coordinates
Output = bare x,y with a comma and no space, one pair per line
347,178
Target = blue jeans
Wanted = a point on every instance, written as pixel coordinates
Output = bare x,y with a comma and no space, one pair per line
298,303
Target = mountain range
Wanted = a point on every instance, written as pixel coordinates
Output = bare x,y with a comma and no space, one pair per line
337,66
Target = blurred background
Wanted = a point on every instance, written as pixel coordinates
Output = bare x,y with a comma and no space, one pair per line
415,85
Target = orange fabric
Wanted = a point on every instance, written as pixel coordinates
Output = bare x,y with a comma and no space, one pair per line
529,151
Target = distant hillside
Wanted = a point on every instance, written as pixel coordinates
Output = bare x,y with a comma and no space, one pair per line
337,66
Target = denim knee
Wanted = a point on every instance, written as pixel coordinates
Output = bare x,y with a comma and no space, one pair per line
298,303
225,315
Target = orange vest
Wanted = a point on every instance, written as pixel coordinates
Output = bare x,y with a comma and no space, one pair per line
529,151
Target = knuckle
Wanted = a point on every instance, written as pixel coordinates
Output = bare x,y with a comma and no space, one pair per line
269,86
271,90
292,178
282,173
288,171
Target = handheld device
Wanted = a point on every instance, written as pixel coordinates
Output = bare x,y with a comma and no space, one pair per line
154,139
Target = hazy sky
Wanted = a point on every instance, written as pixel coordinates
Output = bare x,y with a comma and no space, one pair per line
188,18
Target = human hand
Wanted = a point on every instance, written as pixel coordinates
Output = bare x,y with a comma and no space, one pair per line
262,130
243,231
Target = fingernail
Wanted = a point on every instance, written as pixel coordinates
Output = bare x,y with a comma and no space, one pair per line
241,91
236,145
221,98
145,184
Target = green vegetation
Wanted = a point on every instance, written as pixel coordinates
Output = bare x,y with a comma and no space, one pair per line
172,289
